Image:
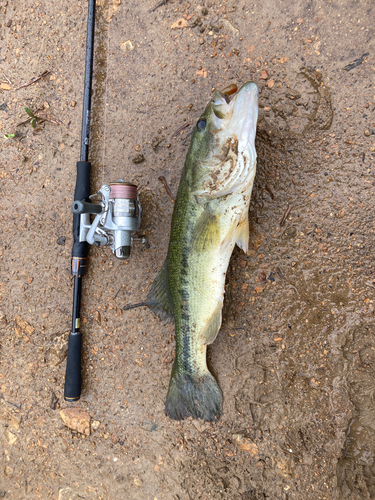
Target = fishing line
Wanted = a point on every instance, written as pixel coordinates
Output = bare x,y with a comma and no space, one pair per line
106,91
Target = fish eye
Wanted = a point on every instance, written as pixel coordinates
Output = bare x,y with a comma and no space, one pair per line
201,125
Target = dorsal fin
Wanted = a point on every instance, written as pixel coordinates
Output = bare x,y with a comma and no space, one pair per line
158,299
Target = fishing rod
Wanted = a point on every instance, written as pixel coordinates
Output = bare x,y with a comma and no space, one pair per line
116,217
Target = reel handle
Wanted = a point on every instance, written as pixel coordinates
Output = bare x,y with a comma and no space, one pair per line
84,207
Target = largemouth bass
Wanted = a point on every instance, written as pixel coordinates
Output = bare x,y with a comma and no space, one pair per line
210,216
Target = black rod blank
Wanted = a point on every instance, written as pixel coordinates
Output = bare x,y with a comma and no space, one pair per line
85,134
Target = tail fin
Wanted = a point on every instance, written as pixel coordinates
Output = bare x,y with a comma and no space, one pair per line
199,397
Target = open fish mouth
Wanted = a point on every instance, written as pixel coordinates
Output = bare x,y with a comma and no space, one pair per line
244,112
235,114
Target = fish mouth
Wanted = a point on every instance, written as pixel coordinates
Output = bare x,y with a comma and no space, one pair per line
243,121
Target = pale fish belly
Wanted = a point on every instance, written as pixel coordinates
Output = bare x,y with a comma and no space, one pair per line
207,272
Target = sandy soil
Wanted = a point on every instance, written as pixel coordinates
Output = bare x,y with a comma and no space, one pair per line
295,357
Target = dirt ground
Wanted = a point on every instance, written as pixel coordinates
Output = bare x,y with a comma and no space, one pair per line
295,357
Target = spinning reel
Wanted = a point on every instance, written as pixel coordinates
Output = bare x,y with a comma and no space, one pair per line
117,216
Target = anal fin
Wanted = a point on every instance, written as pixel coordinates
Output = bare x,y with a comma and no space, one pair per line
209,334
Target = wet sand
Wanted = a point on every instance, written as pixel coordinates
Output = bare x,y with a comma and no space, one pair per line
295,355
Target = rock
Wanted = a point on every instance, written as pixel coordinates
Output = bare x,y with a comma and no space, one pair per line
149,426
98,317
24,325
66,494
76,419
367,132
95,425
245,444
10,437
53,400
2,316
61,240
9,471
199,425
126,46
180,23
138,159
284,467
229,26
15,423
56,350
5,86
137,482
289,233
263,75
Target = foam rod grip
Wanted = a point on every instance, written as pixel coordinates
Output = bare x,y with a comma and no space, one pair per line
81,193
82,190
72,390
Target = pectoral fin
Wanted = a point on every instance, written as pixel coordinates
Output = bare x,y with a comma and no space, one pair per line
206,233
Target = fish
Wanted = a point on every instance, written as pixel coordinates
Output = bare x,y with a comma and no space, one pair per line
210,217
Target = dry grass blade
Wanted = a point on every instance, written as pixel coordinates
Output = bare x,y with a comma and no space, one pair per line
34,80
175,134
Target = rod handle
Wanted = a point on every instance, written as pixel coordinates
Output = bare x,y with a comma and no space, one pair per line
72,389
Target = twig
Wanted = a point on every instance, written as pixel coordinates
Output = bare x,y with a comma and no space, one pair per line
33,80
285,216
175,134
57,122
279,273
270,191
13,404
40,121
133,306
118,291
169,192
356,62
163,2
7,79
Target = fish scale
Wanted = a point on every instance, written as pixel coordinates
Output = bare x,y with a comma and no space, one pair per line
210,216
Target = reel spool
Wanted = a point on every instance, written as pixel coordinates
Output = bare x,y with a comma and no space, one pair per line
117,216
